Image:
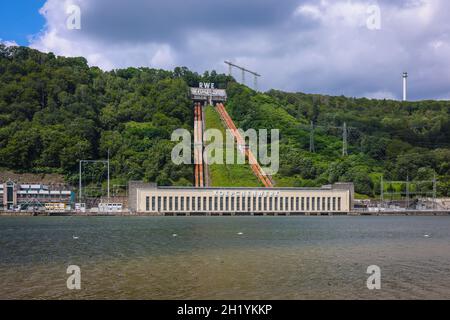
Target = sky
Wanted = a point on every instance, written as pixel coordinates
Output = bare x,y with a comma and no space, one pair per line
354,48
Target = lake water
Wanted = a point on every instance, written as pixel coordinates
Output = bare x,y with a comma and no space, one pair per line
225,257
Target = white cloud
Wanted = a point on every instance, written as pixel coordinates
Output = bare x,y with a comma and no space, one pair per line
8,43
308,10
311,46
336,13
107,55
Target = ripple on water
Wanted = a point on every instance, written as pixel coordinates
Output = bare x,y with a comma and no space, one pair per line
273,258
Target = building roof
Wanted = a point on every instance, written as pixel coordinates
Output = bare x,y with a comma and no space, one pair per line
237,188
325,187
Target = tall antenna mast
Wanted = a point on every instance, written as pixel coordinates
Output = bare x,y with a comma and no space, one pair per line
405,85
244,71
109,201
312,148
407,191
434,192
345,140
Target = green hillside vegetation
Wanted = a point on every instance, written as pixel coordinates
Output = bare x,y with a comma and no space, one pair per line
396,140
228,175
55,111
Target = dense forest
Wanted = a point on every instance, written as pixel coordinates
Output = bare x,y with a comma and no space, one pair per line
399,141
55,111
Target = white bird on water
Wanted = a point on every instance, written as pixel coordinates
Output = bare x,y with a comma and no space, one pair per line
427,236
174,235
75,237
240,233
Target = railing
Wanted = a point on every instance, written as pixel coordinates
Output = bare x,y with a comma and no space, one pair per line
198,146
256,168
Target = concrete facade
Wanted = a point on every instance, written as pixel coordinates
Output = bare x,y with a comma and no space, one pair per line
31,195
150,199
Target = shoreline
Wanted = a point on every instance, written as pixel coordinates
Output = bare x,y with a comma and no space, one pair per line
128,214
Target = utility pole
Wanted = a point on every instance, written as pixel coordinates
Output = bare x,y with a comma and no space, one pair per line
93,161
382,191
80,186
312,148
345,140
108,179
434,192
407,192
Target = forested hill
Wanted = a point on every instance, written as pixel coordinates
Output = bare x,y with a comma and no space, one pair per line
393,139
55,111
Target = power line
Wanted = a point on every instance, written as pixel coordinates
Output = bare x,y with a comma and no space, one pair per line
344,140
105,162
312,148
411,190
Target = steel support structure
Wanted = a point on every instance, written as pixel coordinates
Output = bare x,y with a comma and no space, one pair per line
256,168
244,71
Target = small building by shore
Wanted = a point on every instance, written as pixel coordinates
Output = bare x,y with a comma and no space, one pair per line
16,196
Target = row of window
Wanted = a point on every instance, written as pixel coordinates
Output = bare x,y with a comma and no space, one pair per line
42,196
241,204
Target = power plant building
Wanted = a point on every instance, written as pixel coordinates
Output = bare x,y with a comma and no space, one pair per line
151,199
